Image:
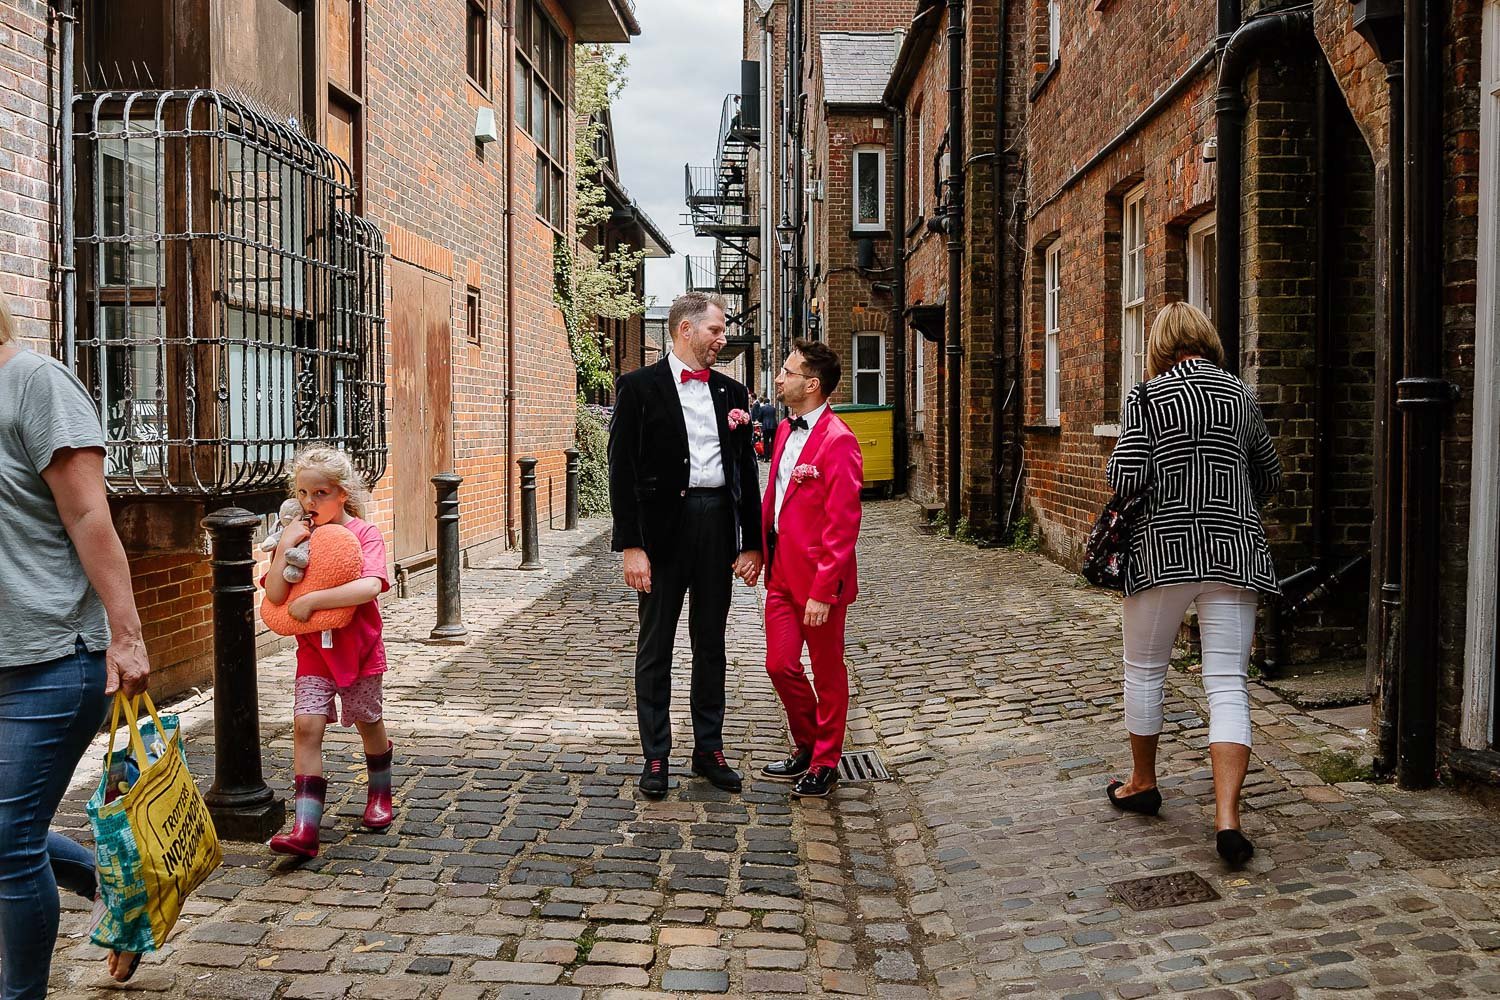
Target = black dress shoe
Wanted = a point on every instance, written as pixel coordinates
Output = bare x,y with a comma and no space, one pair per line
1147,803
790,769
816,783
713,766
1234,847
654,778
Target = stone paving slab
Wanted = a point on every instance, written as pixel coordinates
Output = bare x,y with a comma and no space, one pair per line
523,864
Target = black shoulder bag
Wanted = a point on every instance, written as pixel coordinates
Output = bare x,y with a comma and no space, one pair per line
1107,556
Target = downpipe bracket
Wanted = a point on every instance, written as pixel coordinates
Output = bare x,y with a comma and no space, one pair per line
1424,393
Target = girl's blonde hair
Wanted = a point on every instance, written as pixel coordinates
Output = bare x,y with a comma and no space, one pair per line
334,466
7,322
1181,329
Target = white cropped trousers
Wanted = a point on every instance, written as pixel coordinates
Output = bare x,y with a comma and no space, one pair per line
1226,623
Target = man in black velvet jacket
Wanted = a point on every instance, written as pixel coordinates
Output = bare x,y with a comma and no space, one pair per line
685,495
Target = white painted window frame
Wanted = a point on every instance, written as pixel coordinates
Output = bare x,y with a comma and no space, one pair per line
879,223
919,383
1197,233
1054,31
1052,327
1132,290
879,371
1477,725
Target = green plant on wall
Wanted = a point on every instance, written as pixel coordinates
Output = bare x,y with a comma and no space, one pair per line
592,283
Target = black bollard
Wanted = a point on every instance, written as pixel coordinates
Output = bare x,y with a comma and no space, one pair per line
242,805
450,614
570,504
531,545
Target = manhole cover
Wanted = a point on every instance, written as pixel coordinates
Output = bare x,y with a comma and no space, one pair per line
1446,839
1160,891
862,765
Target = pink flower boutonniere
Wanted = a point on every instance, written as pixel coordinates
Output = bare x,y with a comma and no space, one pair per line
738,418
803,473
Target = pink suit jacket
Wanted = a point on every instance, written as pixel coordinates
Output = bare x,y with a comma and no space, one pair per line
819,517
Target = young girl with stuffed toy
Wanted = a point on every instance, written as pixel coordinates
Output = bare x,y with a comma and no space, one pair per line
345,663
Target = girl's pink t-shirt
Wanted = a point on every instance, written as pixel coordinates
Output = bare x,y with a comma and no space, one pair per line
358,650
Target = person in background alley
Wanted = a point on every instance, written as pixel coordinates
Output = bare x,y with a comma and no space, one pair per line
765,414
811,516
685,495
72,638
1200,447
347,662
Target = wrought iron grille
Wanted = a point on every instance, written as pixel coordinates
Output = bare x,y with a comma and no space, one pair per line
230,301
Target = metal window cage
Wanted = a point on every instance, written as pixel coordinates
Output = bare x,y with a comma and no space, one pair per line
230,301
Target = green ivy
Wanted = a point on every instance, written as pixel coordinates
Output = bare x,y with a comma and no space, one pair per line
593,462
590,284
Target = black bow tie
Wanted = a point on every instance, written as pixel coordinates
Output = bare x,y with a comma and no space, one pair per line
799,423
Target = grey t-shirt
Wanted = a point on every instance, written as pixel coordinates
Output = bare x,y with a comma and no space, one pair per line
46,601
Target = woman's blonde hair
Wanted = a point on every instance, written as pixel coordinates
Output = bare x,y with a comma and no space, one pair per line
1181,329
334,466
7,322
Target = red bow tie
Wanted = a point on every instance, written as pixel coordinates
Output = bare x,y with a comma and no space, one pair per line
701,375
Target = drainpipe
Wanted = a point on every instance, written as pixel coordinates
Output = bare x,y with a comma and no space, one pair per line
955,224
799,175
510,279
1422,395
768,251
1245,42
898,291
67,20
1385,37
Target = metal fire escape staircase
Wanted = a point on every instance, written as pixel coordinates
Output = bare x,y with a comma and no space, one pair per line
723,204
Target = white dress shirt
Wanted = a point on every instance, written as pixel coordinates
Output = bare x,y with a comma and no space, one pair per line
706,465
791,453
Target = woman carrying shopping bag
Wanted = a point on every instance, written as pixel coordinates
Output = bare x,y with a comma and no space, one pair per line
72,638
1195,443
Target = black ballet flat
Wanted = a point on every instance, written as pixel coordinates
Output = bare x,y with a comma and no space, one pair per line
1234,847
1147,803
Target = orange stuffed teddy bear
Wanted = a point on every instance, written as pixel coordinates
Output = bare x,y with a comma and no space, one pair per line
334,559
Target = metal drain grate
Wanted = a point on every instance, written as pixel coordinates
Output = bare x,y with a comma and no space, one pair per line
1446,839
1160,891
862,765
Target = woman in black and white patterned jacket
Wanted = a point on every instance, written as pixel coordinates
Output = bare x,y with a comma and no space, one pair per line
1195,440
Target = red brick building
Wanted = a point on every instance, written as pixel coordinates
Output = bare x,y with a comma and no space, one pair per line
1057,175
378,270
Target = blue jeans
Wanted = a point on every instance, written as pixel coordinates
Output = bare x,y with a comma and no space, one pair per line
48,714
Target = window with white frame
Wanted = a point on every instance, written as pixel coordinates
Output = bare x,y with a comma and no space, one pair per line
1052,365
1133,291
869,368
1054,31
1203,264
919,383
869,188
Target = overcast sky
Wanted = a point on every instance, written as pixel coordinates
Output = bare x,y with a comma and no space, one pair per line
686,59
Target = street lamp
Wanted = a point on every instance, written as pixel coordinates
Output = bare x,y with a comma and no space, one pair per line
787,232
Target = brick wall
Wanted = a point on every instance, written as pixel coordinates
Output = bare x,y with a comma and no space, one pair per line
1460,249
1086,100
847,298
427,177
27,216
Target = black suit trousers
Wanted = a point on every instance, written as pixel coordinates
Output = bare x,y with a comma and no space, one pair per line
700,566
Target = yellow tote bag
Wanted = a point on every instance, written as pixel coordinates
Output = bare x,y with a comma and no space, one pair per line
155,843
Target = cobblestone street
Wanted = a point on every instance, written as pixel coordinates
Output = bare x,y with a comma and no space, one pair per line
524,864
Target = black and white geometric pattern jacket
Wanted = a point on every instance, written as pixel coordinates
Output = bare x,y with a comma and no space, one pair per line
1210,465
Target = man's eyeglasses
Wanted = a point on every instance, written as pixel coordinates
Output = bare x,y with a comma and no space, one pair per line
788,372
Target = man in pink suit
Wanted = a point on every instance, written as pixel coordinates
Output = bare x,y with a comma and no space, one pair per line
810,517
